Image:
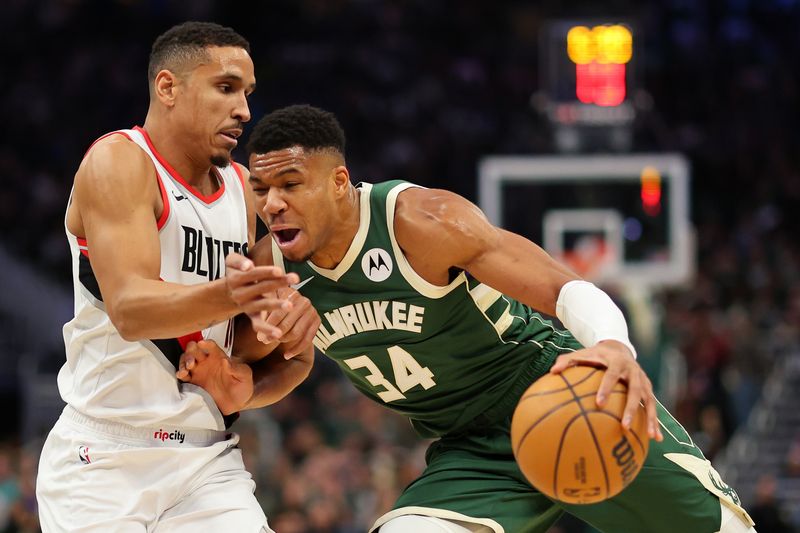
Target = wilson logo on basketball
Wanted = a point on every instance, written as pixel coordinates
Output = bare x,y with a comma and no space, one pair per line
626,460
580,470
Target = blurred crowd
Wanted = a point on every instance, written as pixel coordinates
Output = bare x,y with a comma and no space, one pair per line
424,89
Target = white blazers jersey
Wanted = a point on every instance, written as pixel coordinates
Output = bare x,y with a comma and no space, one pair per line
109,378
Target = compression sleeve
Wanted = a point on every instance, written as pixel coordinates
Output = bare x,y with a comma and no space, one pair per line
590,315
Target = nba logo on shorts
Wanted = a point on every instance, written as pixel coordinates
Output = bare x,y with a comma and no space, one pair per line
376,264
83,454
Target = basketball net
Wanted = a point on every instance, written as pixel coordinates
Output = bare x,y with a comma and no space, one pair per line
592,258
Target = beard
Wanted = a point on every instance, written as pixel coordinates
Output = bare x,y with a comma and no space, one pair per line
221,160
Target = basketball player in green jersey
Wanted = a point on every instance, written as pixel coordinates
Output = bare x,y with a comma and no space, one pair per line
429,310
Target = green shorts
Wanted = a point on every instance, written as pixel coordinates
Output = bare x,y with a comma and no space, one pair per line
474,478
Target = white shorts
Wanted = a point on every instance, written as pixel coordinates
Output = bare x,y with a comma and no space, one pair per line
96,476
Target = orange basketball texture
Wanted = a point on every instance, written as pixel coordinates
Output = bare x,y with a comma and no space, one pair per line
570,449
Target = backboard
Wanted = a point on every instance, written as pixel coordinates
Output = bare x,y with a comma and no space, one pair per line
620,219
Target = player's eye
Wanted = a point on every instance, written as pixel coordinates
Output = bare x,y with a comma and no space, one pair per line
225,88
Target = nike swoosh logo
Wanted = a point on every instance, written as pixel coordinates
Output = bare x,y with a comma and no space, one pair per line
297,286
178,197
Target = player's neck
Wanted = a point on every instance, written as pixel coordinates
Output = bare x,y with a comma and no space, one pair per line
194,171
344,231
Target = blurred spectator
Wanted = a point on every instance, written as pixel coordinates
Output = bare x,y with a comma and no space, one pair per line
18,512
24,514
793,460
9,489
766,512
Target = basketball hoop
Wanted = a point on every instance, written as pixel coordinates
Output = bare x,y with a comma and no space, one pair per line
592,257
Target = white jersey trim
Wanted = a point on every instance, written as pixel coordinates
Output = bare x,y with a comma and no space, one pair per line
436,513
421,285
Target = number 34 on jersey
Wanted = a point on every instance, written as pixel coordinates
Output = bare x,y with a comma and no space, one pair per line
408,373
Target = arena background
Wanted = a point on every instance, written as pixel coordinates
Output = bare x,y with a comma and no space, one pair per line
425,89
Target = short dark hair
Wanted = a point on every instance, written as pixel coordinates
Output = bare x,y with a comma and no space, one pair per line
188,41
297,125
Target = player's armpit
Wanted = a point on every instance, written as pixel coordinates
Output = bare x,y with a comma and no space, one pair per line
439,230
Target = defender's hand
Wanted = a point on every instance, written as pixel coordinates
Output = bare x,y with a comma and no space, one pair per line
294,329
620,366
229,383
253,288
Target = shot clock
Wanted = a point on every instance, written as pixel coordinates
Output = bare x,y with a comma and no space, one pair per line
588,81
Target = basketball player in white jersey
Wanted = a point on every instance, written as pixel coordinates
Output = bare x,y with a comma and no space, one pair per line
153,214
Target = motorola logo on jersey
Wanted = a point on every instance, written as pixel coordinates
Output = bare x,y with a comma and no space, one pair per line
377,264
204,255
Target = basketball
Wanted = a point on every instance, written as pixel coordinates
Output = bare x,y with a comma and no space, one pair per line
570,449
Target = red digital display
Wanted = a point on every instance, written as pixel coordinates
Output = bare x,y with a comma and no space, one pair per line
600,55
599,84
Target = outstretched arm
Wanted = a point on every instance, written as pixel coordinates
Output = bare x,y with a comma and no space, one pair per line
439,230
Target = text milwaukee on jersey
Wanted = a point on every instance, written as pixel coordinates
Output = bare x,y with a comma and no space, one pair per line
368,316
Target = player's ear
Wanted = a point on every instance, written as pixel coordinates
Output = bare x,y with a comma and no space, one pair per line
164,87
341,180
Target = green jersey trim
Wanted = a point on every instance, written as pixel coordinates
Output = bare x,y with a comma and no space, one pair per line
421,285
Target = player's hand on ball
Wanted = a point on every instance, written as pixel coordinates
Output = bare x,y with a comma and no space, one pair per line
616,358
294,328
229,383
571,449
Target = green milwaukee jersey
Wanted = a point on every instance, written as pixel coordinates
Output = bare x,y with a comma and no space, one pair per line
443,356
